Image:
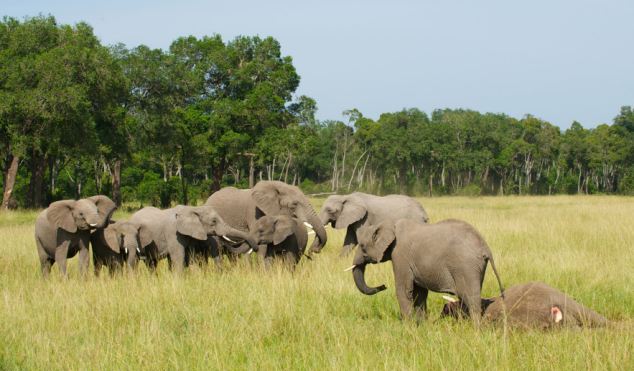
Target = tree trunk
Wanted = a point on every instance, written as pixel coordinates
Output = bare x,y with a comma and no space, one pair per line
9,180
38,164
116,183
218,172
252,173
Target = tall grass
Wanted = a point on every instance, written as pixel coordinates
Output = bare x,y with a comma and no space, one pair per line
314,318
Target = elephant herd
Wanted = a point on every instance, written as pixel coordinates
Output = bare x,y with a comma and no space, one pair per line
273,219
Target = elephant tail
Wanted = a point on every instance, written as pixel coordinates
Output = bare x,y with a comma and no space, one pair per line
497,275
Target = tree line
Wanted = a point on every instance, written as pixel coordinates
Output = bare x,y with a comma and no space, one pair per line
162,126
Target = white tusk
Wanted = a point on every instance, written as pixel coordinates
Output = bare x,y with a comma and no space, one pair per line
250,251
125,249
350,268
228,239
311,232
308,225
93,225
138,250
449,299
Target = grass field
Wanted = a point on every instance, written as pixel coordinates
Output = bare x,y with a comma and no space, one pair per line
315,318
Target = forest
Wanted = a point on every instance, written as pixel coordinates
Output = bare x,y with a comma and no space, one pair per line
171,126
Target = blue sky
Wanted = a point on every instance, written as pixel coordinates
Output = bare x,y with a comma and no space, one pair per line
560,60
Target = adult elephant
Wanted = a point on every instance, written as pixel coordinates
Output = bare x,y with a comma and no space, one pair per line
361,209
240,208
179,232
63,230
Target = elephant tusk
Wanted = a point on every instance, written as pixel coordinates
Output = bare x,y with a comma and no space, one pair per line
228,239
350,268
309,225
138,250
93,224
449,299
250,251
311,232
125,249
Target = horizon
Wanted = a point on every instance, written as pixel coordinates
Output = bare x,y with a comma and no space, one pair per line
567,64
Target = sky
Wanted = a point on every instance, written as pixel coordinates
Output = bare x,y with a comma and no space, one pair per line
559,60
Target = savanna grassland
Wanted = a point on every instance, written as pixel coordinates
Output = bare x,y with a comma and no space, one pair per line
314,318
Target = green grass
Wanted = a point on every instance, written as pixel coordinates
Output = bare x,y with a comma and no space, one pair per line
315,318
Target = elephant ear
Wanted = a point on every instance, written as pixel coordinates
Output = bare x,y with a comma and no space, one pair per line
60,214
189,224
284,227
353,210
145,237
267,198
383,238
111,235
105,207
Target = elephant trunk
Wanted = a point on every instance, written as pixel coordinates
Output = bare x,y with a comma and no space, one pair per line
358,272
320,231
237,234
131,247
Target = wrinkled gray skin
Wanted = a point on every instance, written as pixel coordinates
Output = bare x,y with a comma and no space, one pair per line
240,208
532,305
280,237
361,209
118,243
183,231
63,230
449,257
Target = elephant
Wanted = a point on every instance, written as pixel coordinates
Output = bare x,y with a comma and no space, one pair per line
361,209
118,243
281,236
63,230
183,231
531,305
448,257
240,208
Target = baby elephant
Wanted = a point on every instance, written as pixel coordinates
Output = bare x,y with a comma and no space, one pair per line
282,236
532,305
449,257
118,243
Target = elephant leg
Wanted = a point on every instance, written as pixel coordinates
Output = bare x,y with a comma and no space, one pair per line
291,258
84,256
98,264
214,252
177,259
405,295
61,255
468,290
349,242
45,261
265,253
420,302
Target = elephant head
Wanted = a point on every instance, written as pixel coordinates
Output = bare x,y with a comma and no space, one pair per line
132,237
203,221
374,247
84,214
278,198
341,211
273,229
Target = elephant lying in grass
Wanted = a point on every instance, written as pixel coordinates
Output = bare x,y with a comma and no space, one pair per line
280,237
448,257
63,230
361,209
118,243
531,305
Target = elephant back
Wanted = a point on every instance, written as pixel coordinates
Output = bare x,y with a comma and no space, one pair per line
232,205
